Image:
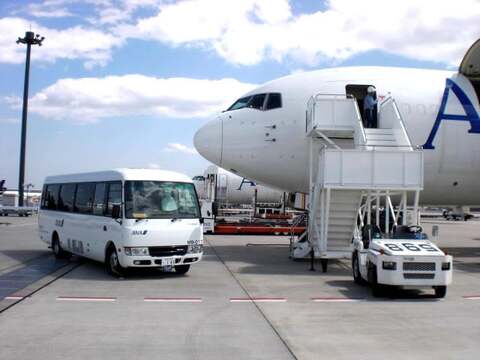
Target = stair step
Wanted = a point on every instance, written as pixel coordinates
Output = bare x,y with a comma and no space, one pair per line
382,143
339,220
338,245
340,236
381,137
342,221
378,131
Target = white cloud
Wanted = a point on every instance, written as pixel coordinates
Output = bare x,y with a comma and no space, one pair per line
249,31
176,147
93,46
114,12
91,99
49,9
153,166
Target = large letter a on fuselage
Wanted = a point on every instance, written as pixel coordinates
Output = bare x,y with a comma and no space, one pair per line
470,112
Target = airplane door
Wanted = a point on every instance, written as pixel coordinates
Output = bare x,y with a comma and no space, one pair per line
359,91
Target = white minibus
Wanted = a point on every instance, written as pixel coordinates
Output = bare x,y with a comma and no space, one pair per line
124,218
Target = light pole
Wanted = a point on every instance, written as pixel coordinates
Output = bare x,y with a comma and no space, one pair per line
29,39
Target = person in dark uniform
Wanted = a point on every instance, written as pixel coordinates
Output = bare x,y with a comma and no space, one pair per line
369,107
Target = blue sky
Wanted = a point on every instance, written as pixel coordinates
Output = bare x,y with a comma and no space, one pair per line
127,82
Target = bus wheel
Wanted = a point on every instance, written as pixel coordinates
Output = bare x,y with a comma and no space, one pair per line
440,291
113,265
57,248
182,269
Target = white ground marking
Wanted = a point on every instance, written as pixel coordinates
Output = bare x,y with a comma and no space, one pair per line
15,297
86,298
178,300
333,299
257,300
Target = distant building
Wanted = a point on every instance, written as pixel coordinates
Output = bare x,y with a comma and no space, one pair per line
10,198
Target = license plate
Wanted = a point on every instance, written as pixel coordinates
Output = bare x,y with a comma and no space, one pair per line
168,262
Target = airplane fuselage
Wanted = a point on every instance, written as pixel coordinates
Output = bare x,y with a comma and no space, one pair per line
271,146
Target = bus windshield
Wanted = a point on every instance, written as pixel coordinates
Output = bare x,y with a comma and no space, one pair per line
160,200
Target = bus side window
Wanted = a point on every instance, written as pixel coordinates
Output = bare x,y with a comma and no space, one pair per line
51,197
99,200
114,196
65,200
84,198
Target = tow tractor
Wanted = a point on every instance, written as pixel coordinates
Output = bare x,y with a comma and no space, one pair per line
405,257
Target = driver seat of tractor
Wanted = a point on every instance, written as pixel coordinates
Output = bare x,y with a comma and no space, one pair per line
404,232
369,232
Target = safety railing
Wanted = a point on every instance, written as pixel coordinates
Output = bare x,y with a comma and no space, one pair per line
366,169
333,112
298,221
390,118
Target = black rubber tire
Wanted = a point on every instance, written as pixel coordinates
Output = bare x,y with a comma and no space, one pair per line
356,270
377,289
57,248
324,263
440,291
112,264
182,269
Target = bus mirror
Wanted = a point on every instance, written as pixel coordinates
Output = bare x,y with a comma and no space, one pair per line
116,211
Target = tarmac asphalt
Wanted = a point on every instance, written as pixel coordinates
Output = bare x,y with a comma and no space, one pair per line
245,300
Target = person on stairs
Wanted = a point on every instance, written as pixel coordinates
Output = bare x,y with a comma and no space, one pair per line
369,108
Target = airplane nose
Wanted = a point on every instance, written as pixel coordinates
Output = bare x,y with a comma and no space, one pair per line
208,141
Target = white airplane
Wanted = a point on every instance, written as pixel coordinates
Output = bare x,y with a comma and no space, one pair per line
233,189
262,136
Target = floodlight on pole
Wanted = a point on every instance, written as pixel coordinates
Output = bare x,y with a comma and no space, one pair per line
29,39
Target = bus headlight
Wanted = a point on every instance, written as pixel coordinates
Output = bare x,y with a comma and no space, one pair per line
446,266
389,265
136,251
195,249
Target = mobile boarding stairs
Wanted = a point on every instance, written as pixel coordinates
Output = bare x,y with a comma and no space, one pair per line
357,174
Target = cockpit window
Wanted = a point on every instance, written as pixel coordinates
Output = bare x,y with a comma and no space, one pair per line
257,101
274,101
240,103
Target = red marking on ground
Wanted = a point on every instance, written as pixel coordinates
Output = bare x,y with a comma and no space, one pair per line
259,299
86,298
170,299
335,299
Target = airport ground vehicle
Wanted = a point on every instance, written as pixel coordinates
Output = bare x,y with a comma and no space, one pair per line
450,214
124,217
16,210
406,258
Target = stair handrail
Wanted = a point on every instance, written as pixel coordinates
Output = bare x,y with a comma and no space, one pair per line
388,98
295,223
359,128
